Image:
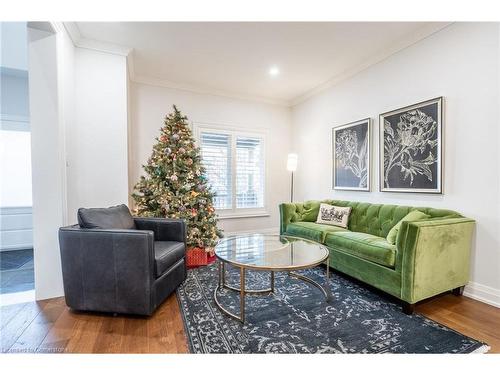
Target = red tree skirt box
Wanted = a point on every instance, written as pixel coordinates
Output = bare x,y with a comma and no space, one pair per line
198,256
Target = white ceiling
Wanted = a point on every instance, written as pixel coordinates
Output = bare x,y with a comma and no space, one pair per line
234,58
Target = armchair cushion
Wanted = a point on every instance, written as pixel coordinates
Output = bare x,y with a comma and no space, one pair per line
116,217
164,229
167,253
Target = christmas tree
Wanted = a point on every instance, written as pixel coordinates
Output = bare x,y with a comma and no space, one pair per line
175,185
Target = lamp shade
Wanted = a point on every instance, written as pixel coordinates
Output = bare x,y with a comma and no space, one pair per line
291,163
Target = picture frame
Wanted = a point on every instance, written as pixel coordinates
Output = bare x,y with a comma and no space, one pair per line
351,156
411,148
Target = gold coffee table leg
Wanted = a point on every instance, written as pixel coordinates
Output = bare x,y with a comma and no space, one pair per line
327,285
223,273
242,290
242,294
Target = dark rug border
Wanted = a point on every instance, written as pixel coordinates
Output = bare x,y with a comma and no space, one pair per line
186,330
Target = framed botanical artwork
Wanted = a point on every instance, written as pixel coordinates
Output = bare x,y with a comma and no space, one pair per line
351,156
411,145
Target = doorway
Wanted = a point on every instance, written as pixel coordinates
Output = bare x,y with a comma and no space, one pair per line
16,223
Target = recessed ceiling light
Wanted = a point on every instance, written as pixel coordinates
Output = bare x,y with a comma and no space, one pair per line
274,71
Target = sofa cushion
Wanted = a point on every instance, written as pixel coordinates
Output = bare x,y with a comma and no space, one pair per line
363,245
167,253
312,231
412,216
116,217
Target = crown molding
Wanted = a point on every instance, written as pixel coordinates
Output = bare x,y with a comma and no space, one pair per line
400,45
131,66
82,42
204,90
73,31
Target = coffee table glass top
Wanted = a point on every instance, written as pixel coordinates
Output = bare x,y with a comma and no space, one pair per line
270,252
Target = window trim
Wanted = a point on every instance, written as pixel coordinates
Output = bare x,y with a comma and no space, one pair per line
233,131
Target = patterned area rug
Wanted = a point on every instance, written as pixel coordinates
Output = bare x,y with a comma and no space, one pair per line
297,319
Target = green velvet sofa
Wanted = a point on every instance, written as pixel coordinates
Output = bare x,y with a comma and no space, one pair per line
430,256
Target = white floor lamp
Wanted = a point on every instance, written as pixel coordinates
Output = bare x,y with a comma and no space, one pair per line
291,166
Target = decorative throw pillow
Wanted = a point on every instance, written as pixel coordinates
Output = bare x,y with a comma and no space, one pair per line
333,215
412,216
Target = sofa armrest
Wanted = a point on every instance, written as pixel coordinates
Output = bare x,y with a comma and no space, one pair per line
287,215
433,256
107,269
164,229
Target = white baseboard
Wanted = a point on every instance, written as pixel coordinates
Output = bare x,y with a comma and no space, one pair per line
15,298
483,293
262,231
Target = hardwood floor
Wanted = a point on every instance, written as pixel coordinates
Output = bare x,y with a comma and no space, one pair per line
49,326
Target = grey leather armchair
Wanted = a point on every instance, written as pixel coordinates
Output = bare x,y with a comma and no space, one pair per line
113,262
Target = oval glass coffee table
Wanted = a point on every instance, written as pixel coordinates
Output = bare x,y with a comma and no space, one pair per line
269,253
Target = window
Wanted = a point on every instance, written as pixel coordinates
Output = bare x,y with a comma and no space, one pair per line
235,168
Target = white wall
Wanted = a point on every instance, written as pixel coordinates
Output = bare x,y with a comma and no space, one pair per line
14,93
13,36
150,104
15,139
15,190
96,144
15,169
47,162
78,101
461,63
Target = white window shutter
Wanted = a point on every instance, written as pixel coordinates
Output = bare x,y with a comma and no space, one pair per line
216,157
249,172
